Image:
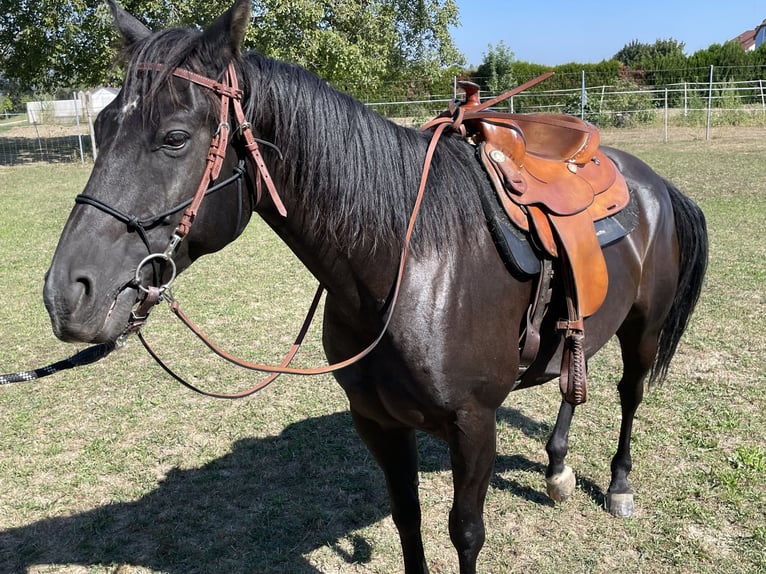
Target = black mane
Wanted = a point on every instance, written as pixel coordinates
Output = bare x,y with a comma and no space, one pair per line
356,173
359,172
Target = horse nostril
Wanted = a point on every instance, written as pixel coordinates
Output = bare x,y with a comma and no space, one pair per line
83,284
79,290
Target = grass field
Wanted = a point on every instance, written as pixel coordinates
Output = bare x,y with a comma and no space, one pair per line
115,468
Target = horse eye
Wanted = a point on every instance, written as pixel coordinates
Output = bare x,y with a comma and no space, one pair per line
175,139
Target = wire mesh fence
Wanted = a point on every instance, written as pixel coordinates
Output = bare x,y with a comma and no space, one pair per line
22,142
676,111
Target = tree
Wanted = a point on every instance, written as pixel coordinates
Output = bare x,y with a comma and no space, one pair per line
358,44
637,54
495,73
44,44
52,43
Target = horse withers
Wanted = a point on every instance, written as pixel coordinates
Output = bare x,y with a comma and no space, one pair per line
346,180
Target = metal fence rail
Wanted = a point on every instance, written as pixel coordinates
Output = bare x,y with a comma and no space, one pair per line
676,110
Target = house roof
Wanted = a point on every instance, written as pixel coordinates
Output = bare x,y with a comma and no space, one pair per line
747,38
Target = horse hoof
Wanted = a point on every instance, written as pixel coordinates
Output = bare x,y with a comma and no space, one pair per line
560,486
620,505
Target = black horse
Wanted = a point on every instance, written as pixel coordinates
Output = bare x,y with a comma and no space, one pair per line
348,179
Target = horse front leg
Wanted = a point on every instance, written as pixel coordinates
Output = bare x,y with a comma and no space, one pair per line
472,441
559,478
396,452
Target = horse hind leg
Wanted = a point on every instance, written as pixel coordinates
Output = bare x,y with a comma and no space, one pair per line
638,353
639,349
396,452
559,478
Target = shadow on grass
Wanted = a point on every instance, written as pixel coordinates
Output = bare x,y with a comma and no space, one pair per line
538,431
260,508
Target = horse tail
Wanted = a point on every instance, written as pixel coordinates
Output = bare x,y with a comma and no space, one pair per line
691,232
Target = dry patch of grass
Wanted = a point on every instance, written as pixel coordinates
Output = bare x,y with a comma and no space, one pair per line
114,468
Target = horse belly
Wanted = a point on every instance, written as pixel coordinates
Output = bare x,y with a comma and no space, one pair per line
420,382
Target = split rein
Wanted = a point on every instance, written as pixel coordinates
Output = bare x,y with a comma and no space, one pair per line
231,95
154,295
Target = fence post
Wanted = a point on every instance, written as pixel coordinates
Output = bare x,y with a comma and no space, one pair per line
666,115
709,104
583,97
87,102
601,103
79,131
763,99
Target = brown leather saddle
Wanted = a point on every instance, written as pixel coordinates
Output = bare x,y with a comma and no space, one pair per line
554,183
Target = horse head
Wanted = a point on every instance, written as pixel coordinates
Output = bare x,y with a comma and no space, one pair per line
153,142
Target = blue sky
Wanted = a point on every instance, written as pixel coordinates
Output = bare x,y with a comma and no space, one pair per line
555,32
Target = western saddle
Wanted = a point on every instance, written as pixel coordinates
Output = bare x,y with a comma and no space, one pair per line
553,183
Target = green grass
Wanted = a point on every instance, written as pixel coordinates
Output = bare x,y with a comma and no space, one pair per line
115,468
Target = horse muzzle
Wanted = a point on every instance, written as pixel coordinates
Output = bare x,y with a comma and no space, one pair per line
83,309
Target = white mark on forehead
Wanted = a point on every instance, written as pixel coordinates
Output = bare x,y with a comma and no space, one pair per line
128,108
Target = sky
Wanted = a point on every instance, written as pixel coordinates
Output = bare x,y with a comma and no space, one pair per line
553,32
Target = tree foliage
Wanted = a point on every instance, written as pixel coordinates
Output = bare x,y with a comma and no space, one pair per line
662,63
43,44
359,44
53,43
637,54
496,69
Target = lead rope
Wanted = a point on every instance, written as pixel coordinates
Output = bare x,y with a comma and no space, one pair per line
84,357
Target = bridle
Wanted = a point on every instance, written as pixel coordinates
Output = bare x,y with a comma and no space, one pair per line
231,96
150,295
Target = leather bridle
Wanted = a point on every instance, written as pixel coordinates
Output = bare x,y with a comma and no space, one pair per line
231,96
230,92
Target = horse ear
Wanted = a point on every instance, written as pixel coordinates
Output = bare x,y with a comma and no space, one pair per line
228,30
131,29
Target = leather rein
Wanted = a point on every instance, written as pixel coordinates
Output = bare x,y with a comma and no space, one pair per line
231,96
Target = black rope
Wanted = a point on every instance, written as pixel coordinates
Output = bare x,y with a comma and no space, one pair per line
141,225
84,357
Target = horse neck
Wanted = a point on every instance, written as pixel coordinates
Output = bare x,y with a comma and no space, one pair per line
348,178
